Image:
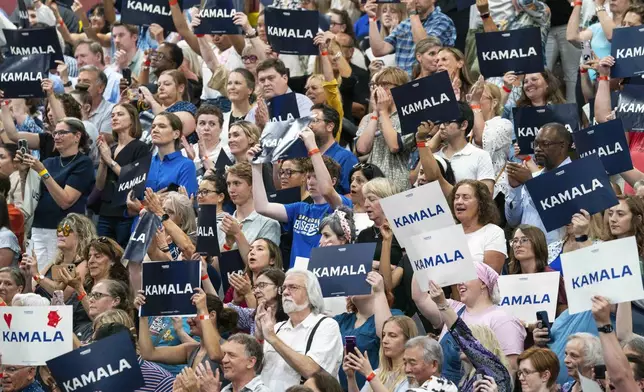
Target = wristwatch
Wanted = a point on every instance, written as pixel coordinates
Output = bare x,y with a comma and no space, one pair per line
581,238
45,176
485,15
599,8
165,217
413,12
252,33
68,84
608,328
113,164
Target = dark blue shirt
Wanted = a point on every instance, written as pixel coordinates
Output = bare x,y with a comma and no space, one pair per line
173,169
347,160
77,172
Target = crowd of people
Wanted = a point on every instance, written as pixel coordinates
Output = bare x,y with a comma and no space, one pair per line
187,102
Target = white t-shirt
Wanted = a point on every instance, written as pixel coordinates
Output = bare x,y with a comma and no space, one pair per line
471,163
500,10
230,59
488,237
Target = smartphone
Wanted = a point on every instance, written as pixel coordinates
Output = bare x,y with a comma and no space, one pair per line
22,146
586,51
350,344
542,318
55,271
127,74
600,372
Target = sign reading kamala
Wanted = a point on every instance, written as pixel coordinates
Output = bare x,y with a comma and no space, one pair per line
217,17
561,193
207,240
132,177
524,295
109,364
610,269
342,270
292,31
529,120
607,141
31,336
283,107
441,255
427,99
169,287
630,107
35,41
517,50
137,246
146,12
628,52
417,211
278,138
21,77
230,263
23,15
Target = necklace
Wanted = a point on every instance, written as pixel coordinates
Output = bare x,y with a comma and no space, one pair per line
60,159
376,232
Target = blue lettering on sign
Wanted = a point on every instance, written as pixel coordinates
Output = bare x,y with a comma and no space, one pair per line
599,276
439,259
418,216
530,299
30,337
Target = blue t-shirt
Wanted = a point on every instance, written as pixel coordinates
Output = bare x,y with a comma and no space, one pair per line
599,44
76,171
366,340
174,169
347,160
163,335
304,221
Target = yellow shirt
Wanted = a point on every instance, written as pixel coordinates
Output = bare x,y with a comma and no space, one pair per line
334,99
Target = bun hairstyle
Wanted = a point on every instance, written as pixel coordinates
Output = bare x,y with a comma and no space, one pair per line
226,318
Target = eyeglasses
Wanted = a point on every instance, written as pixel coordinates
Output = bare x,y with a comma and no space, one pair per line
519,241
205,192
13,369
250,59
66,229
262,285
156,55
60,133
525,372
288,172
333,23
95,295
544,144
291,288
373,85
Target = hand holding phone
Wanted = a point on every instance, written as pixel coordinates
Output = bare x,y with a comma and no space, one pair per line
350,344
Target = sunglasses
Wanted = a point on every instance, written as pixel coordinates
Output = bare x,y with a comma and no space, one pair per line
249,59
66,229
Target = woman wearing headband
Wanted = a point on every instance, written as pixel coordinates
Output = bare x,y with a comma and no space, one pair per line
338,228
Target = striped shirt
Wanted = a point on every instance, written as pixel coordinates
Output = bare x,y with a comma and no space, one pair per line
155,377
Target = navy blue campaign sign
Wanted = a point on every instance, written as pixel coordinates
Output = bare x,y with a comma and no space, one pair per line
223,161
292,31
132,177
561,193
230,263
146,12
23,15
608,142
283,107
464,4
207,241
342,270
630,107
21,77
109,364
427,99
516,50
217,17
628,51
29,42
286,196
141,238
280,140
169,286
529,120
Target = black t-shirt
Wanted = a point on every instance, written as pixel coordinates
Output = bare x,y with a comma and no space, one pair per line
46,146
372,234
132,152
560,11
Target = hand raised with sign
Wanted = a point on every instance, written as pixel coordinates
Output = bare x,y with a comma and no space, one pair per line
371,8
196,21
518,174
139,299
308,137
241,20
77,7
376,282
132,203
47,87
320,41
252,153
601,310
207,381
509,80
605,64
425,130
437,294
156,31
199,300
581,223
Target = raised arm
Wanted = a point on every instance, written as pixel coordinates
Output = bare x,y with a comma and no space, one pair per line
381,309
262,205
182,27
324,180
426,305
427,159
603,104
378,45
573,35
241,20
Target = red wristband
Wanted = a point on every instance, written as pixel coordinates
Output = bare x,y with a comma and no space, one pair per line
81,296
421,144
475,107
603,77
583,70
324,53
371,376
200,35
226,247
375,19
578,3
61,23
204,277
527,158
507,90
174,2
374,117
314,151
147,62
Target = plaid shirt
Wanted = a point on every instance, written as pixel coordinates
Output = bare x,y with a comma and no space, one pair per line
437,24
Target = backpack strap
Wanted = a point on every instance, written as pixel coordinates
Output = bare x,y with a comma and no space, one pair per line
309,342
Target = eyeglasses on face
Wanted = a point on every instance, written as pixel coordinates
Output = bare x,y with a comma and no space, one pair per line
156,56
205,192
262,285
250,59
544,144
66,229
519,241
96,295
525,372
288,172
291,288
61,133
373,85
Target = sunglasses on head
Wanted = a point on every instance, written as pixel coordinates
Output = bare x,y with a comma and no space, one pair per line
66,229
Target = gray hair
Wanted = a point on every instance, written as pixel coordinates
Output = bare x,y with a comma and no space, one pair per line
592,354
251,348
102,78
432,350
313,289
635,343
495,295
29,299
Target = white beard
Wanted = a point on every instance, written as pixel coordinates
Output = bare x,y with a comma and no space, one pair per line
291,307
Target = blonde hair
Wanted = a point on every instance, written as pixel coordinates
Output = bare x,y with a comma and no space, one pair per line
85,233
251,131
398,8
488,339
117,316
393,75
495,93
381,187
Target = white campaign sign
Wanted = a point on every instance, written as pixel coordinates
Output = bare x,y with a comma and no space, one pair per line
609,269
35,334
523,295
417,211
442,256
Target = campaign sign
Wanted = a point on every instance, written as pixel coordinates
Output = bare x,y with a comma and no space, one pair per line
608,142
416,211
464,4
627,51
278,138
230,263
29,42
441,255
30,336
342,270
427,99
217,17
223,161
283,107
21,77
517,50
207,241
523,295
132,178
292,31
141,238
609,269
109,364
286,196
561,193
630,107
169,287
147,12
529,120
23,15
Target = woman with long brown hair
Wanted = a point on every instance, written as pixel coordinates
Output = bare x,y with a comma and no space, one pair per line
452,60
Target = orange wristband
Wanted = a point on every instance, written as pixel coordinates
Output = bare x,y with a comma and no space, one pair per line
603,77
578,3
61,23
174,2
314,151
371,376
324,53
421,144
204,277
475,106
81,296
204,317
374,117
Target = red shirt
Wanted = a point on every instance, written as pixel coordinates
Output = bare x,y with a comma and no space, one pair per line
636,147
17,224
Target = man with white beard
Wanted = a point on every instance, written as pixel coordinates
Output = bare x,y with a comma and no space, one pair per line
307,342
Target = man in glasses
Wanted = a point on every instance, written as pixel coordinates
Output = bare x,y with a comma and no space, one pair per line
20,378
167,56
551,152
